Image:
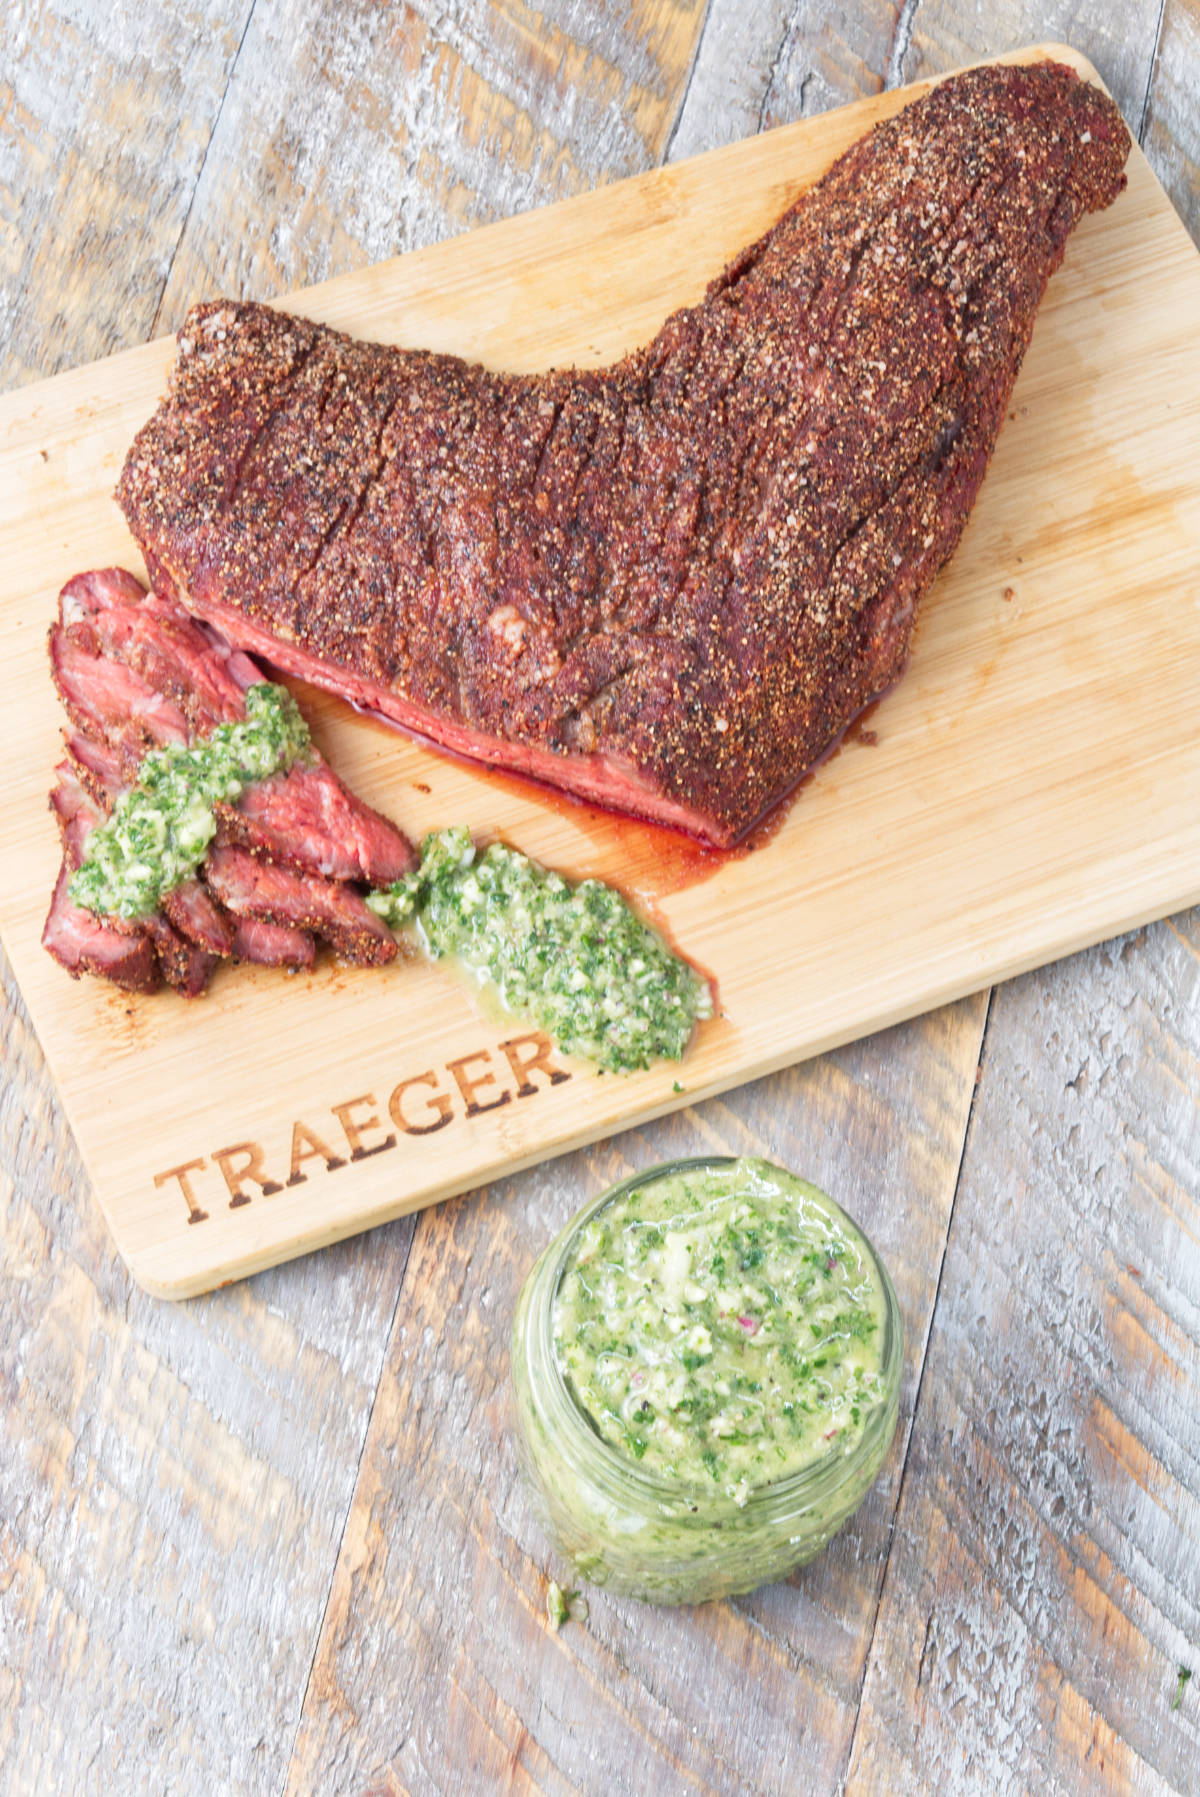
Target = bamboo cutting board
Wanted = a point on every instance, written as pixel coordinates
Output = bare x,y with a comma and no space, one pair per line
1029,788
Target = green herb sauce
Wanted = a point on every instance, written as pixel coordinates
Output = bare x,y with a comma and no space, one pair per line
573,959
722,1325
159,830
564,1606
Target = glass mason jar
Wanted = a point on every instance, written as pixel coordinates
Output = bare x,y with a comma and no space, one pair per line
655,1537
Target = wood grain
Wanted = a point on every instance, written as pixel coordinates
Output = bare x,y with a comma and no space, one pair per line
1018,804
173,1484
444,1571
935,35
379,129
1043,1588
1171,130
768,62
107,112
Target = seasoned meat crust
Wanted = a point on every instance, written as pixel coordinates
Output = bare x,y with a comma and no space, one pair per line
667,585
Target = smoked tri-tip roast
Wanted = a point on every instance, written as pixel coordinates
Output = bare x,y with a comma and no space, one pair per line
667,585
290,859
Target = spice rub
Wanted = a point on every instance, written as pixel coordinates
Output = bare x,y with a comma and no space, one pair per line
666,585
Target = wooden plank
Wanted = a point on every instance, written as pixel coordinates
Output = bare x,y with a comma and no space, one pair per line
93,210
1042,1588
1171,136
1040,1601
933,36
116,1542
376,130
443,1571
173,1483
764,63
1017,802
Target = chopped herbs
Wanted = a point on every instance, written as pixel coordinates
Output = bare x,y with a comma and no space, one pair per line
564,1606
722,1324
573,959
159,831
1182,1682
676,1453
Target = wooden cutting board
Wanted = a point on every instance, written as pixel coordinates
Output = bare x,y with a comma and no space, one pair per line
1030,787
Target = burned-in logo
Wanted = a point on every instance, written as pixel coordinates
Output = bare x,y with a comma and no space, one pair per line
420,1104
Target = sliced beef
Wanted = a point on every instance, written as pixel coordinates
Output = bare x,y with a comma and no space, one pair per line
99,590
147,645
166,649
273,944
75,812
308,819
109,701
249,887
98,767
183,963
135,673
191,910
83,943
666,585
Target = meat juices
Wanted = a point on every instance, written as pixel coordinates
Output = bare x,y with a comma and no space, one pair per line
668,585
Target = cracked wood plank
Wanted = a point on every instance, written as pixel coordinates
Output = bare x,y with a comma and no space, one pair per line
107,112
1171,130
174,1480
1042,1590
444,1571
767,62
1117,41
1041,1594
374,130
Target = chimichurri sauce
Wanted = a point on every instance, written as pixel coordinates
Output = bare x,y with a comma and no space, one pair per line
159,830
723,1326
574,959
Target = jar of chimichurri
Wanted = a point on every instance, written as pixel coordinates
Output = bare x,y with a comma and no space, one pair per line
706,1367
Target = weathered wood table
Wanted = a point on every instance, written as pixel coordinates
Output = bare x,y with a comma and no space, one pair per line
274,1539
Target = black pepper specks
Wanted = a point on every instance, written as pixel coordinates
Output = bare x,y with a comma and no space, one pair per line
668,584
